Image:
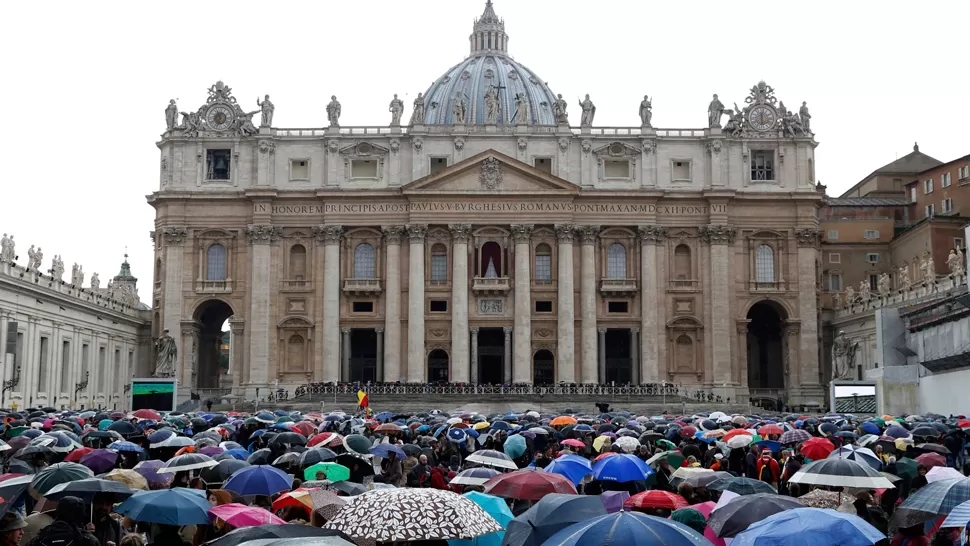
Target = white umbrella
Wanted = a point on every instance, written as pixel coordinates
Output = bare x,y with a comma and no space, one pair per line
189,461
841,473
685,472
627,444
739,441
938,473
490,457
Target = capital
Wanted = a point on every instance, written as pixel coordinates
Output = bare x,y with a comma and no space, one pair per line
474,330
565,232
379,330
392,234
718,234
263,234
651,234
460,233
417,232
588,234
174,236
809,237
508,331
345,331
330,234
521,233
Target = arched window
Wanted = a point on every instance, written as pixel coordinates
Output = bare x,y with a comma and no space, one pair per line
297,262
764,264
439,262
491,263
616,261
215,264
682,263
543,263
364,261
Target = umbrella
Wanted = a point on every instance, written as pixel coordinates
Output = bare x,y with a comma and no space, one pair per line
515,446
896,431
149,470
100,460
739,514
221,472
613,500
86,490
841,473
288,439
179,506
475,476
935,448
500,512
335,472
794,436
685,472
347,488
573,467
741,486
188,461
629,529
816,448
316,455
12,489
129,478
706,478
655,498
809,527
563,420
123,428
859,454
147,414
938,473
765,430
490,457
930,460
935,499
265,535
407,515
549,515
621,468
528,485
260,456
740,441
819,498
385,450
125,447
357,443
240,515
57,474
958,517
259,480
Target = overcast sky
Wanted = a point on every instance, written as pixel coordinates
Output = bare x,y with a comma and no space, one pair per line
85,84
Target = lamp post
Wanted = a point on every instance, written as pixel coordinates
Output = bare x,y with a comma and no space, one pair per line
9,384
81,386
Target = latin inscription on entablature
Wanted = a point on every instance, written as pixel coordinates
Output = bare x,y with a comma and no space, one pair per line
490,206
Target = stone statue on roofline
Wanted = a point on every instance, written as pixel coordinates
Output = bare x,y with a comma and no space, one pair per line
843,357
267,109
333,111
171,115
646,111
417,116
396,108
955,262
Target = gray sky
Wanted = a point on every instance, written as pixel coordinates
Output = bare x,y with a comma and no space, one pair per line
86,84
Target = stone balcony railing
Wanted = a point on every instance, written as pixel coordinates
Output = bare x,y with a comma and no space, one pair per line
491,285
684,284
618,287
383,130
296,285
214,287
362,286
916,294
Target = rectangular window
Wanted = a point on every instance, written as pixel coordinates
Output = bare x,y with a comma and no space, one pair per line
299,169
835,258
963,173
113,387
680,170
438,164
945,180
872,257
217,164
363,168
85,360
929,210
958,242
871,234
616,168
543,164
439,267
946,205
438,306
617,307
912,194
762,166
363,307
543,267
65,366
873,282
835,282
102,367
928,186
833,235
43,371
543,307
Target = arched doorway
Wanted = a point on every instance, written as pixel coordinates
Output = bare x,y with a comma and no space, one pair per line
543,368
766,364
212,350
438,366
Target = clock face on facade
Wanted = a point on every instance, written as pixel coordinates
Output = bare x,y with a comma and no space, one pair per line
761,117
219,117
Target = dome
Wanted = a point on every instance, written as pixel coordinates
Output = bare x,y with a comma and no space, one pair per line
488,69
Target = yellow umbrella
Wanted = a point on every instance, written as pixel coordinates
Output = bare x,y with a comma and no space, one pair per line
482,425
600,441
129,478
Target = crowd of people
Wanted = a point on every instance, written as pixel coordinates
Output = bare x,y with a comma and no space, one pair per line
226,478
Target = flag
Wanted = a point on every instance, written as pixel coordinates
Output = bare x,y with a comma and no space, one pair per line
362,399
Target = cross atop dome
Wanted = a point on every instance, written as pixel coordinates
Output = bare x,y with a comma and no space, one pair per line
488,34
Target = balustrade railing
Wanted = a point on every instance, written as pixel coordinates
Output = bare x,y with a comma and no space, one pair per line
307,391
487,129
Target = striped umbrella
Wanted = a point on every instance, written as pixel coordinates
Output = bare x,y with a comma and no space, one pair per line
841,473
959,517
794,436
935,499
490,457
860,454
473,476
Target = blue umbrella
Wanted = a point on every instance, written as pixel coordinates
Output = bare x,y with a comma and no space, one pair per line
125,446
771,445
573,467
156,438
384,416
259,480
583,428
514,446
495,507
809,527
629,529
240,454
621,468
897,431
551,514
870,428
384,450
179,506
457,435
501,425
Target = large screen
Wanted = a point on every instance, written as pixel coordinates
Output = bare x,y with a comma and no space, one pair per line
156,394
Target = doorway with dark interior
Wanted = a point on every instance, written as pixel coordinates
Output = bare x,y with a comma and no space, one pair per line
212,317
491,356
363,355
438,366
543,368
766,365
618,363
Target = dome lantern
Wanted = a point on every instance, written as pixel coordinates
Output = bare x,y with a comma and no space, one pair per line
488,34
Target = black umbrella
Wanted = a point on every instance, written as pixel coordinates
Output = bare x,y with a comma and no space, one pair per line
18,466
32,450
412,450
316,455
363,466
221,472
739,514
552,513
266,532
926,431
261,456
288,439
349,488
88,488
12,490
122,427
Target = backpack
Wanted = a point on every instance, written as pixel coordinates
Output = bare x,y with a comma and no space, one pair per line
59,533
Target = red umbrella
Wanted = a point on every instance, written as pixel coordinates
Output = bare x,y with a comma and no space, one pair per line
75,456
325,438
602,456
816,448
656,499
688,432
734,432
574,443
388,428
929,460
529,485
770,429
305,428
147,414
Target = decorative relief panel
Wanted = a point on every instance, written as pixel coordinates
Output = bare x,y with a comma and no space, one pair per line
491,307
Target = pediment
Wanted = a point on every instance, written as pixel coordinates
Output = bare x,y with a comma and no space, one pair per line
617,149
364,148
491,172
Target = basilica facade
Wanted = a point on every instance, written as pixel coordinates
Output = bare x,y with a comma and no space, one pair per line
483,236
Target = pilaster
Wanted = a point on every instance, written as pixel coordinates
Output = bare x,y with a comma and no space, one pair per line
522,343
331,235
566,320
720,237
650,237
588,354
392,304
260,237
417,368
460,236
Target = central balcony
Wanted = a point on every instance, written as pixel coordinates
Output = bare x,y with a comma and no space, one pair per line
213,287
618,287
491,285
362,287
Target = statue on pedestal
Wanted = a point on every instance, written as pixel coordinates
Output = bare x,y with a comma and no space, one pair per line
458,109
165,356
865,291
521,115
928,268
417,116
904,282
266,109
955,262
34,258
646,111
491,105
95,281
714,111
849,296
396,108
837,300
805,117
7,253
559,110
589,110
77,276
57,268
884,285
333,111
843,357
171,115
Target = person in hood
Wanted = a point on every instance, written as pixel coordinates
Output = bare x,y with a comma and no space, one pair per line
68,527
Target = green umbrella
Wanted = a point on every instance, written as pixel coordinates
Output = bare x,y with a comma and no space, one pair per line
57,474
690,517
357,443
879,421
284,419
335,472
666,444
16,431
906,467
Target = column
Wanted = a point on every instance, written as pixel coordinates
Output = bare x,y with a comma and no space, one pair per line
742,352
331,236
460,236
261,259
379,371
808,361
172,253
474,356
587,289
345,354
634,356
507,360
392,304
236,344
650,237
522,348
417,370
720,238
565,343
601,372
